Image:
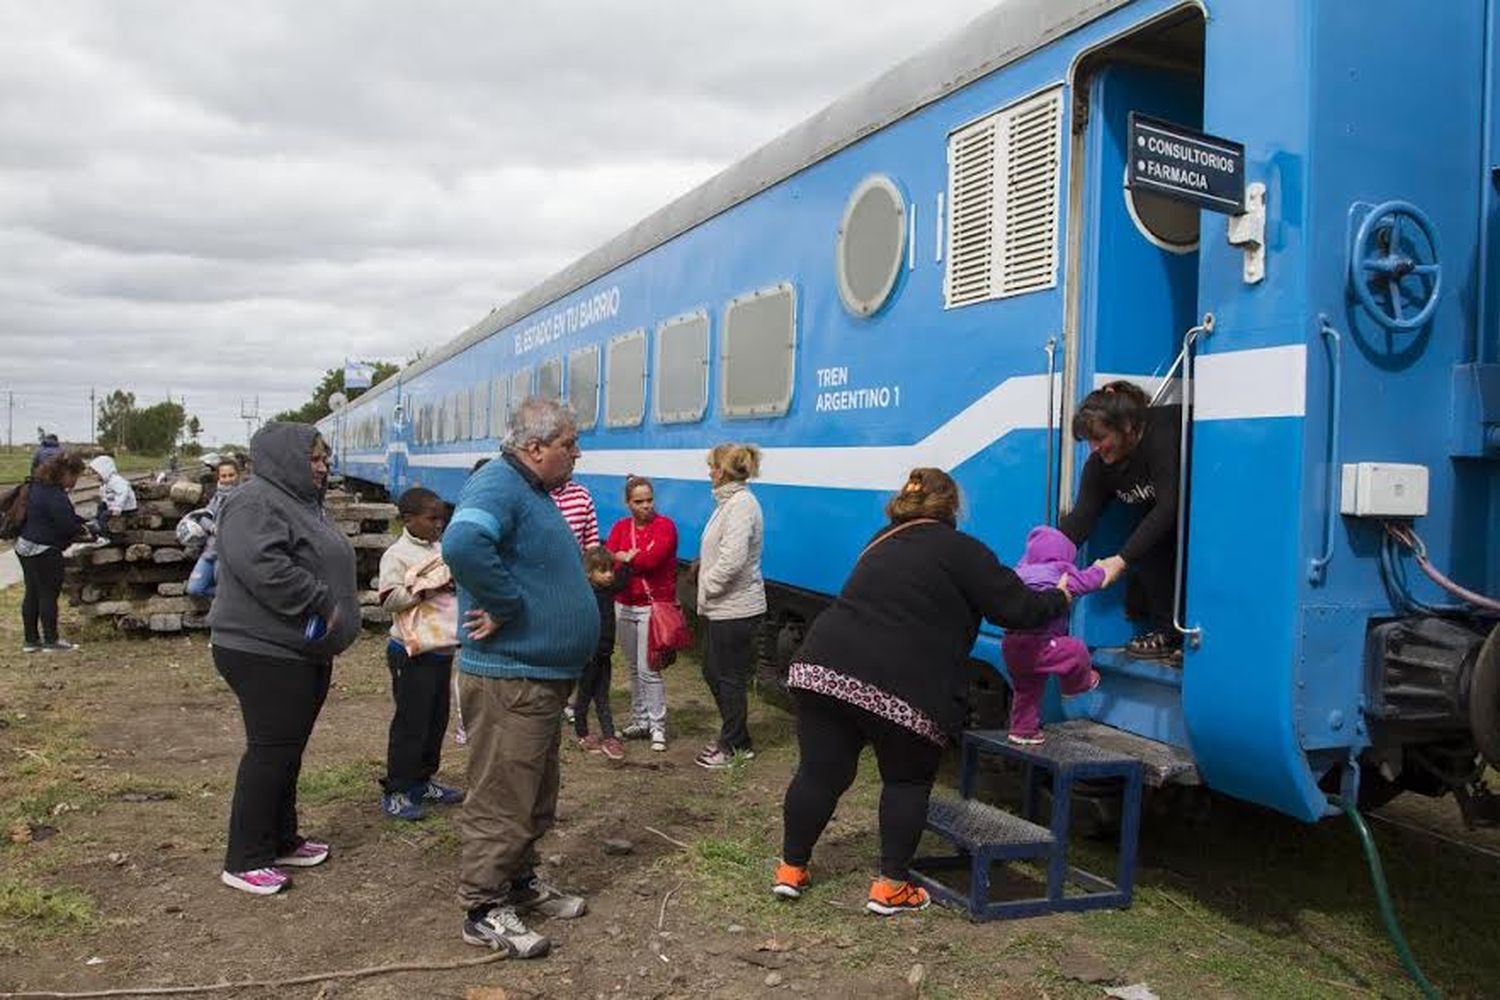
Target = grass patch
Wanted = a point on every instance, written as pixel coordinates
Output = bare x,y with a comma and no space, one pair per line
44,909
347,782
15,463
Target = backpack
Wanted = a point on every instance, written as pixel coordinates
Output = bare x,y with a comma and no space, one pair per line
13,510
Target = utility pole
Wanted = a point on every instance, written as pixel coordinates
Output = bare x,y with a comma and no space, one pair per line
93,415
10,422
251,416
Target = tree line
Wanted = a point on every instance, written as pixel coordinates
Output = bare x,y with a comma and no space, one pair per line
149,430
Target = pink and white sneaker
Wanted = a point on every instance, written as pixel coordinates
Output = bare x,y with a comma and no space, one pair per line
308,854
257,881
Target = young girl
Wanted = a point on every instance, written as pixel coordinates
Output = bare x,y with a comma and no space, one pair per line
646,542
416,588
593,687
1032,654
205,571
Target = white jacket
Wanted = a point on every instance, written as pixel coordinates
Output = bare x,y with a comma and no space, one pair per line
115,491
730,585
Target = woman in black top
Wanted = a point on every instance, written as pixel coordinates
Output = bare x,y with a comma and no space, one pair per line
886,664
1136,453
51,526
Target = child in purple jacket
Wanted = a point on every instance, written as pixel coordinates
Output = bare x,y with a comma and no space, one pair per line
1032,655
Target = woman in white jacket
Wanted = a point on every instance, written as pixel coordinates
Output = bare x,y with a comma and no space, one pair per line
731,595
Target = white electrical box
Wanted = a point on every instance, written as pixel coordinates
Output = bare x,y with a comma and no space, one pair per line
1382,489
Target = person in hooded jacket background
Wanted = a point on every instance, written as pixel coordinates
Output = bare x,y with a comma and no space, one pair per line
286,605
116,495
47,450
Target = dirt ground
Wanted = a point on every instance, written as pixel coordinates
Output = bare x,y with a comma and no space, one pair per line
116,763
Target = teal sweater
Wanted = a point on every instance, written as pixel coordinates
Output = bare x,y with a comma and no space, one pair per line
514,556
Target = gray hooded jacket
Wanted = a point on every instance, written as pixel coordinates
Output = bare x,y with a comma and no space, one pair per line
280,561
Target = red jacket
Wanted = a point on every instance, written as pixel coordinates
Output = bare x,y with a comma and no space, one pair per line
655,562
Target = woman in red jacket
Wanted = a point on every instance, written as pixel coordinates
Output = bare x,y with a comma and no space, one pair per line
646,542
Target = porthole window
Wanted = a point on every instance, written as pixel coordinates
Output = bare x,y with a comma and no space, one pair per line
759,346
1165,222
871,245
549,379
682,368
625,380
583,386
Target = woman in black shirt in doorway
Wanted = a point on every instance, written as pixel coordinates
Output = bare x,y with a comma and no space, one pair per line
1136,454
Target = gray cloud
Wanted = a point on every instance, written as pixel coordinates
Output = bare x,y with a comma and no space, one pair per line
222,200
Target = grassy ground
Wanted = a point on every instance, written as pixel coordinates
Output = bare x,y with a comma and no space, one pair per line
116,764
15,463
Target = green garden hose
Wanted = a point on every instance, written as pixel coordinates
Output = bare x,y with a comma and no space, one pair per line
1383,894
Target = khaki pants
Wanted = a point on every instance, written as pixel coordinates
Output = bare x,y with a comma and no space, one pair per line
514,728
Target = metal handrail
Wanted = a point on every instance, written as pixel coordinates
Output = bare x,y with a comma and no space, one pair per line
1317,566
1049,501
1193,635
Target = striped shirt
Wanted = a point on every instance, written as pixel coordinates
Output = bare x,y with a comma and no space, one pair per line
577,506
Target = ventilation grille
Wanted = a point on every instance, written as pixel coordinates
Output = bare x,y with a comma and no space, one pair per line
1003,180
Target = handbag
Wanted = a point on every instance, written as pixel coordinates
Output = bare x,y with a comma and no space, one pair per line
430,625
668,631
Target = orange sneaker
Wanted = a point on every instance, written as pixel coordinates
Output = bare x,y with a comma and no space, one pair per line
791,880
887,897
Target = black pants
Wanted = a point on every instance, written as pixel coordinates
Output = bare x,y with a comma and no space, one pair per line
1150,586
422,692
43,575
280,700
830,736
593,689
727,661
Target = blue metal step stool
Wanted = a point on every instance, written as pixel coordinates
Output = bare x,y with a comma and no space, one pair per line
985,835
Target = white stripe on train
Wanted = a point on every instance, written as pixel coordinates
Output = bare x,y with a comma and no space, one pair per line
1235,385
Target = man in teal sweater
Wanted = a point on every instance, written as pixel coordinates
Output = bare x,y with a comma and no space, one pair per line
532,624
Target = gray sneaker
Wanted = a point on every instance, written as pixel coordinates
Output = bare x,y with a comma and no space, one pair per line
500,928
58,646
636,731
534,894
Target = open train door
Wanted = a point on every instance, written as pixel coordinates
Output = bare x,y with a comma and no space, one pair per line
1135,294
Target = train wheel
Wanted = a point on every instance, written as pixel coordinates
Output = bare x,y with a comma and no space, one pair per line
1484,699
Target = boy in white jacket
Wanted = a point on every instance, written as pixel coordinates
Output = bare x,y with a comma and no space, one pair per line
116,495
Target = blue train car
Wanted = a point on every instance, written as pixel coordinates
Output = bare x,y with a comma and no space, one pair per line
935,269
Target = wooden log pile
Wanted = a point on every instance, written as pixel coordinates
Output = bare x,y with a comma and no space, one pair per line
139,581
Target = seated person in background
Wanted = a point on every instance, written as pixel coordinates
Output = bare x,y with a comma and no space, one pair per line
116,495
1032,654
201,581
1135,461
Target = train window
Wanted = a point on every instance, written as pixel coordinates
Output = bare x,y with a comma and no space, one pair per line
520,387
499,408
625,380
454,427
1169,224
461,403
583,386
549,378
757,353
1004,178
871,244
682,368
478,414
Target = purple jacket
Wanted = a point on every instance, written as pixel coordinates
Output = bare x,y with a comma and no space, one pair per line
1049,557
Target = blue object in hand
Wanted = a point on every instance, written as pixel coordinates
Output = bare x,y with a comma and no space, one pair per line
316,628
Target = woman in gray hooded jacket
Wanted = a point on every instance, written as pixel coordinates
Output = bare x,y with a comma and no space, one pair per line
286,606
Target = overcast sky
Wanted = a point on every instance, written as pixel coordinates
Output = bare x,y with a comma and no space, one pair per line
222,200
